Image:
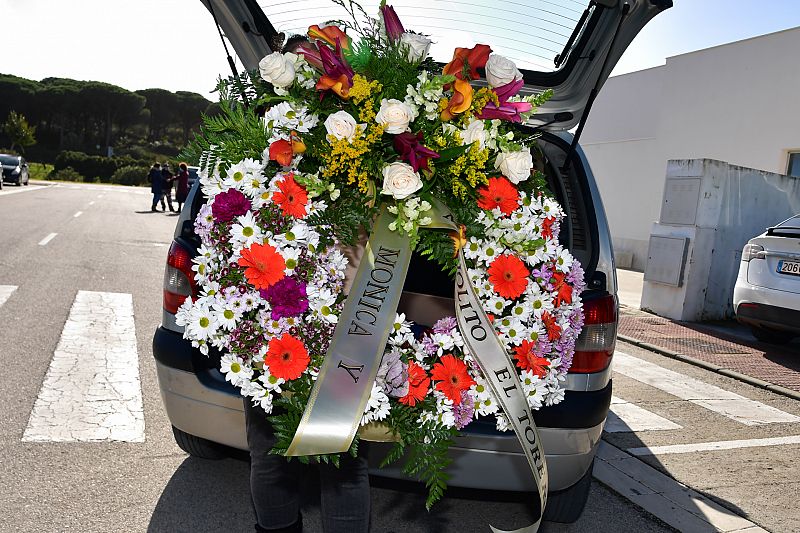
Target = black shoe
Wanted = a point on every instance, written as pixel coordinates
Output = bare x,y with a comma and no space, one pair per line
297,527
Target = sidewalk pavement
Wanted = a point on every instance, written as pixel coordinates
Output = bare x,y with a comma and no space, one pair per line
725,347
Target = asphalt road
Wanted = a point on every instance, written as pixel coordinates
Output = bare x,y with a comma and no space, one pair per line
117,245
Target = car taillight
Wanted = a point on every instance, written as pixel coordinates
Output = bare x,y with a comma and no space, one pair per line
595,344
178,277
753,251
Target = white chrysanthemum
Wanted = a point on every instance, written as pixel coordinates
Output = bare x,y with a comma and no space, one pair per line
201,325
225,315
378,406
283,118
271,383
235,371
322,301
246,230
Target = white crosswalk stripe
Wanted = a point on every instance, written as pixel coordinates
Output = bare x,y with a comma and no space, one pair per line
91,391
729,404
625,416
5,293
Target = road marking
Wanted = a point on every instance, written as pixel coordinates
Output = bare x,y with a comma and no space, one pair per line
5,293
91,391
625,416
713,446
91,203
744,410
99,195
5,191
47,239
676,504
76,215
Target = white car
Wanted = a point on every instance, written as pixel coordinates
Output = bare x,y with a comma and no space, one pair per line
767,292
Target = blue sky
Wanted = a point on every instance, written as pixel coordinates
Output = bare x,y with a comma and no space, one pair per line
173,43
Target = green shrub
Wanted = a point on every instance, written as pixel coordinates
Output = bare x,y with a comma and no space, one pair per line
39,171
131,175
66,174
96,167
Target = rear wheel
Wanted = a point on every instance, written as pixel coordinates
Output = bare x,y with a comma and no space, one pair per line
772,336
566,506
198,447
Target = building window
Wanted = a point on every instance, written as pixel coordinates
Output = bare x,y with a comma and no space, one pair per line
793,169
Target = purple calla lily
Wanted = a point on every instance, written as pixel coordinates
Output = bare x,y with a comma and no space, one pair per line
510,111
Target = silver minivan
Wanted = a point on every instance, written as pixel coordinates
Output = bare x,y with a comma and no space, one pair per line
574,48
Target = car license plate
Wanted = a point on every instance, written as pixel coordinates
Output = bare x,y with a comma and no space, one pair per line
789,267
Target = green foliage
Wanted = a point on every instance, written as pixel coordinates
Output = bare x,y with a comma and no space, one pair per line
39,171
131,175
95,166
66,174
19,131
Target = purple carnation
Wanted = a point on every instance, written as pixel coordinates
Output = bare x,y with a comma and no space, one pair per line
542,273
229,205
287,297
445,325
464,411
575,277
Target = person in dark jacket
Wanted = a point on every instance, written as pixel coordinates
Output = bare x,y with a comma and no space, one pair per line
156,186
169,178
182,190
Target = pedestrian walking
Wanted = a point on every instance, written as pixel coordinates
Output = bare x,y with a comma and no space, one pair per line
156,186
169,178
182,189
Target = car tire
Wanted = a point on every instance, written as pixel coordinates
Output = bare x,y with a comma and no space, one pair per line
566,506
771,336
198,447
19,183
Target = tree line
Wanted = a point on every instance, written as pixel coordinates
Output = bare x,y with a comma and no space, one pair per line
92,116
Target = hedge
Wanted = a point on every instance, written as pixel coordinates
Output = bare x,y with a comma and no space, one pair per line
95,167
131,175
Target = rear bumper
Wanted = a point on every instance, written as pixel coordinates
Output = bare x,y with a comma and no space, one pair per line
761,306
199,402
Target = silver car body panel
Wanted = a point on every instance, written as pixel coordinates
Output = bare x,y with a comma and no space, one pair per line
479,461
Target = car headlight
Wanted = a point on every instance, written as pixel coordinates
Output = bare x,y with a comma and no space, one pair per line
16,170
753,251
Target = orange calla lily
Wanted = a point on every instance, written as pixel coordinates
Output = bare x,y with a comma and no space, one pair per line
298,146
468,60
281,151
340,85
329,34
460,101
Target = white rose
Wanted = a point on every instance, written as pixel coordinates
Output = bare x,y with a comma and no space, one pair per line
341,125
516,166
400,180
474,132
395,115
501,71
277,69
418,46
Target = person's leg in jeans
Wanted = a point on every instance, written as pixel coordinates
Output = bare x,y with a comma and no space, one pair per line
345,494
156,198
274,481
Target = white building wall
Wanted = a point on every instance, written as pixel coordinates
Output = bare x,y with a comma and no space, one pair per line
738,102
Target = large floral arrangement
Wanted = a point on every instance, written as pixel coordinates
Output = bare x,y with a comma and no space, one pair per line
298,163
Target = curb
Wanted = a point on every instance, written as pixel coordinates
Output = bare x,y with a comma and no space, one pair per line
777,389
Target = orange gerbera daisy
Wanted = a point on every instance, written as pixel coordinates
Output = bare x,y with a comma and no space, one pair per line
263,265
508,276
528,360
499,192
553,329
287,357
291,197
452,376
418,383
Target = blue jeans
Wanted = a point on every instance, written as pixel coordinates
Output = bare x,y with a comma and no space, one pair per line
275,483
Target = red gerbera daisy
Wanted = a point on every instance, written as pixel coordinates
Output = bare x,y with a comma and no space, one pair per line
528,360
562,288
452,376
287,357
418,383
553,329
499,192
508,276
291,197
263,265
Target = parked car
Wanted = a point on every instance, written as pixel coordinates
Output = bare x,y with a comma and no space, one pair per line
206,412
766,296
15,169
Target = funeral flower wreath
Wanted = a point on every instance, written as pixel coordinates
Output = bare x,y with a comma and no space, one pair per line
304,155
